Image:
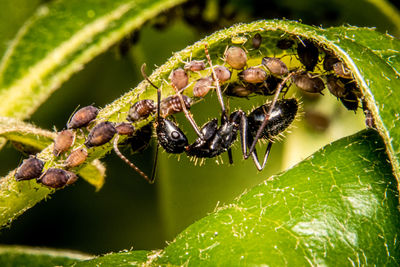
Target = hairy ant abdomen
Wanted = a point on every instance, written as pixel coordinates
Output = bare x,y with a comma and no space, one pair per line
282,115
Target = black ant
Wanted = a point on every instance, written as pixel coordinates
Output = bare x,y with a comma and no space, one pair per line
264,122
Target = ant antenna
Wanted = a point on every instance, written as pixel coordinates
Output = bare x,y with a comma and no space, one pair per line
218,87
127,161
142,69
188,115
224,117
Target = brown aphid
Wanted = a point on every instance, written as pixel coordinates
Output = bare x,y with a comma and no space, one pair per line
275,65
269,86
236,57
83,117
63,142
202,86
76,158
29,169
195,65
335,86
308,84
257,40
308,54
179,78
350,101
222,73
253,75
101,134
141,110
369,119
125,128
342,71
57,178
329,60
285,44
240,90
172,105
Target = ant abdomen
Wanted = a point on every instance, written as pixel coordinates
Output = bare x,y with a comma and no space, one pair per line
282,115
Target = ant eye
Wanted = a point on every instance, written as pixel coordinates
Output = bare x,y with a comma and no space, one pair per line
175,135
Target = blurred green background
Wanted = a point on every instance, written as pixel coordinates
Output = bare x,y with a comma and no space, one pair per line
127,212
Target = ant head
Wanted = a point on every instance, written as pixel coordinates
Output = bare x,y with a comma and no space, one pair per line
170,137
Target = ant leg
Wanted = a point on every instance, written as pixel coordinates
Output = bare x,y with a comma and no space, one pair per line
268,113
153,172
266,156
133,166
245,139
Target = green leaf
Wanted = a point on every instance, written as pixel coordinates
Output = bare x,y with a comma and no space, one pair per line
338,207
26,256
58,40
347,43
125,258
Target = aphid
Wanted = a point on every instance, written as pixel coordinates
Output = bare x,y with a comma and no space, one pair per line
63,142
350,101
195,65
275,65
179,78
369,119
269,86
125,128
342,71
141,110
257,40
308,54
222,73
335,86
76,158
308,84
29,169
83,117
329,60
172,105
285,44
56,178
236,57
100,134
202,86
240,90
253,75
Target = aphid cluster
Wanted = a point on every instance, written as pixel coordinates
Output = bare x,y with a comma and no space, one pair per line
237,76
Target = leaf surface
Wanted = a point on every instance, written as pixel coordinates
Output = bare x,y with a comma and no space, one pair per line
324,211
